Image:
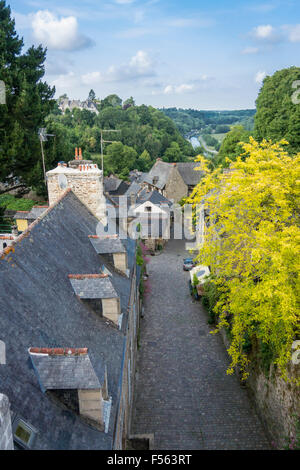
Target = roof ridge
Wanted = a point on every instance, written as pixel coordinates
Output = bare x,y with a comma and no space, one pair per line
27,232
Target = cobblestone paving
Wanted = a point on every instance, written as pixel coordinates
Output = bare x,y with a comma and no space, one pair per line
182,393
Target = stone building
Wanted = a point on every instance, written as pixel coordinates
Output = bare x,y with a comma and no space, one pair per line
89,105
72,294
172,180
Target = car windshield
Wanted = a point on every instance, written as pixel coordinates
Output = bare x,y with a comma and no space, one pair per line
188,261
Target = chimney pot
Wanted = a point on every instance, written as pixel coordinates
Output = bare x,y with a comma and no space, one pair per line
80,154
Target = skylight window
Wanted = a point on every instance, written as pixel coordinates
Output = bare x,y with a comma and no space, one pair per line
24,434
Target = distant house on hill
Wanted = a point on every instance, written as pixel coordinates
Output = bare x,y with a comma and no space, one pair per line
172,180
89,105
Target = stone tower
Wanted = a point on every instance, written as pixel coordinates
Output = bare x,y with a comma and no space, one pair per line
85,180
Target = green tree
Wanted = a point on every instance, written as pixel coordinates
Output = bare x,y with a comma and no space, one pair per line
231,145
278,115
28,102
120,158
144,161
173,153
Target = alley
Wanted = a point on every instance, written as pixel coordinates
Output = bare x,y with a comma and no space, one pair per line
183,395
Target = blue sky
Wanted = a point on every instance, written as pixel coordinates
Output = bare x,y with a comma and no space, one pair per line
187,53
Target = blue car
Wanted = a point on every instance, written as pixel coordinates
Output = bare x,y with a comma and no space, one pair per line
188,264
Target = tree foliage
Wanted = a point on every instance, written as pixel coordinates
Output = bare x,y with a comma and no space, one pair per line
28,102
231,146
145,130
278,115
252,247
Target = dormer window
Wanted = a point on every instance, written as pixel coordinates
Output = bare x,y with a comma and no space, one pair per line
148,208
112,250
68,376
98,293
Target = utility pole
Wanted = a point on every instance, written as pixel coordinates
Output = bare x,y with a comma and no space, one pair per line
43,138
106,142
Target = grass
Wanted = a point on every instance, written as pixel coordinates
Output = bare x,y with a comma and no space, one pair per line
219,137
17,204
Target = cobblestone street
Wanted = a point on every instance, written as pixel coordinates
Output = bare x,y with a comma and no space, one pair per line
182,393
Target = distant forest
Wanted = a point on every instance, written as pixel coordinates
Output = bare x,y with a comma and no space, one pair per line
207,122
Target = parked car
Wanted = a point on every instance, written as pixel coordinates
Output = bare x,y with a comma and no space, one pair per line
198,276
188,264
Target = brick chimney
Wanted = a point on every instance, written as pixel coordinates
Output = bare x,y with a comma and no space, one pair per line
84,178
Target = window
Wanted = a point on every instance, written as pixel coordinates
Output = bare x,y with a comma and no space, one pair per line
24,434
148,208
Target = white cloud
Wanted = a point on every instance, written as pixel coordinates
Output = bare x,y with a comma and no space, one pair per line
263,32
58,33
140,65
250,50
91,78
259,77
266,33
294,33
178,89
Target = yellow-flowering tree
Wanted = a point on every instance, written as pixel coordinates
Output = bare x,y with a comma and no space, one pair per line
252,247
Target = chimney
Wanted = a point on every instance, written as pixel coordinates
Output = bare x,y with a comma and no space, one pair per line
84,178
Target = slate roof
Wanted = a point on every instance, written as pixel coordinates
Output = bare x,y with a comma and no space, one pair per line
162,171
153,196
190,176
66,373
38,308
114,185
35,212
107,245
134,188
94,288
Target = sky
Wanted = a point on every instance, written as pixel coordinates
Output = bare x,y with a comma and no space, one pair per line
165,53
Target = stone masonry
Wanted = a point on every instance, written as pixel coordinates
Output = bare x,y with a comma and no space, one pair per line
175,188
6,438
86,181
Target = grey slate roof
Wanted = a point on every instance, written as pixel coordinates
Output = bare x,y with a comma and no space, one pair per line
153,196
99,288
114,185
107,245
190,176
66,373
38,308
160,170
111,183
134,188
31,215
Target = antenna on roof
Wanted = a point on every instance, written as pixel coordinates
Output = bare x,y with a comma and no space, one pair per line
106,142
42,133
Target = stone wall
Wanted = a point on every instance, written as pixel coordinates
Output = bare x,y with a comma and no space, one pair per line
6,438
86,184
175,188
276,400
